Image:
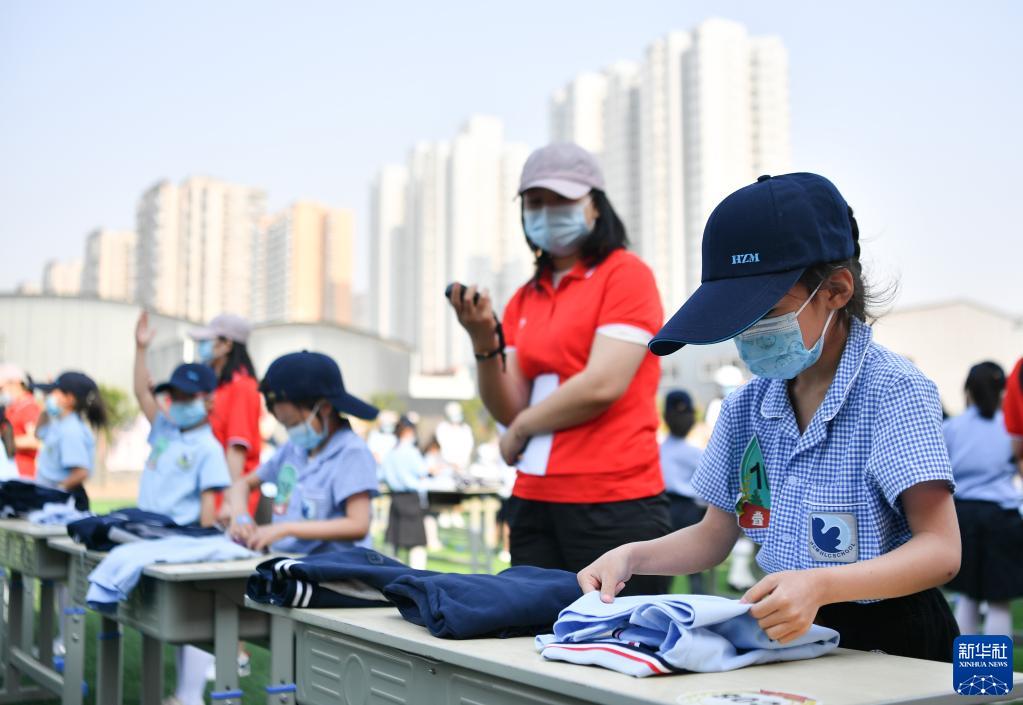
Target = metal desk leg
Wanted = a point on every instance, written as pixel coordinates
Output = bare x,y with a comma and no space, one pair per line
28,613
47,608
281,690
74,655
15,636
109,663
225,650
472,505
152,671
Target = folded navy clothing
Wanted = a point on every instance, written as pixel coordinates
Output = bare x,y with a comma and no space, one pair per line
18,497
520,601
103,533
345,577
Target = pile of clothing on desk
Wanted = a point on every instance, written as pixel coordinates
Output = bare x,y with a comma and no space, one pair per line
19,498
640,636
520,601
136,539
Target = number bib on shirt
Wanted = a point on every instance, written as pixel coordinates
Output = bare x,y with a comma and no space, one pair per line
754,505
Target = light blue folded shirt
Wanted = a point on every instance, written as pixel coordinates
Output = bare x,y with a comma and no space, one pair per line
650,634
118,573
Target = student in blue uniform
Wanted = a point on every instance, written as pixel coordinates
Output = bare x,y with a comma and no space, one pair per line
679,459
403,470
987,504
324,476
74,410
832,458
185,469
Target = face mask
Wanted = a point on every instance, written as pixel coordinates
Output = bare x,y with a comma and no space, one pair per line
53,408
773,347
557,229
204,351
5,399
304,436
186,414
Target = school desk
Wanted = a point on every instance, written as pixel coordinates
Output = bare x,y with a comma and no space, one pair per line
175,603
25,555
362,656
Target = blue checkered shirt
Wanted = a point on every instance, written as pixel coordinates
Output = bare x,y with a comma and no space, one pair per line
834,488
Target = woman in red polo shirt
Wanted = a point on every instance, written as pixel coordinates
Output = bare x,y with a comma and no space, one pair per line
574,383
236,403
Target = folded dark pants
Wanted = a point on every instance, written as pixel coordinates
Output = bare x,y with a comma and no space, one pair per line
103,533
346,577
18,497
520,601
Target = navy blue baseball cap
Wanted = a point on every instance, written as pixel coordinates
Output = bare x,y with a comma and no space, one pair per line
190,378
756,246
678,398
77,383
304,376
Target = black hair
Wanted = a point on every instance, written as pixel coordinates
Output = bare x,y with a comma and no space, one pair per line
985,384
865,299
91,405
608,235
679,419
310,404
237,359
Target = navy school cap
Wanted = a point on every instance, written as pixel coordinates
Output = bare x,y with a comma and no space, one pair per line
190,378
77,383
757,244
678,399
304,376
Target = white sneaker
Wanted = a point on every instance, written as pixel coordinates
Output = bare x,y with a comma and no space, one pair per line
171,700
504,556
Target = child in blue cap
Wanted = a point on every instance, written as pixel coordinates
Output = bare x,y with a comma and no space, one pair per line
74,411
185,470
832,458
186,465
324,476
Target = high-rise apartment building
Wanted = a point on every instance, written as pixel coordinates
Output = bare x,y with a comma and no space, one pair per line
109,268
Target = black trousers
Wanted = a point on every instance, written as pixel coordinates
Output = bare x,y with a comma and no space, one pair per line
919,625
571,536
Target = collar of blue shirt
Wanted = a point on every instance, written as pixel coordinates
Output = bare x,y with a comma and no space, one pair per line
337,442
776,402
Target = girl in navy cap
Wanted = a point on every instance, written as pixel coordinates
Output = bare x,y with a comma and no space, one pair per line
74,410
832,458
987,503
324,476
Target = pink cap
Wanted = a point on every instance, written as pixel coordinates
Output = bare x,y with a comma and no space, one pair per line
563,167
10,372
226,325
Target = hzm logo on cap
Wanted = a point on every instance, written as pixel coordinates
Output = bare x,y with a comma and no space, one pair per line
747,258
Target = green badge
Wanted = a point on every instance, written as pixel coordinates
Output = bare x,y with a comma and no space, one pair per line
754,505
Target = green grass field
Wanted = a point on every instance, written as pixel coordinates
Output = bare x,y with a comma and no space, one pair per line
450,560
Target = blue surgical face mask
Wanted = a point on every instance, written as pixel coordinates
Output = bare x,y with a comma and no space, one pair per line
557,229
304,435
186,414
773,347
53,408
204,351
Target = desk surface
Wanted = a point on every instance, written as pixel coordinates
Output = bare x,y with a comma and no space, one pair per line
27,528
843,677
177,572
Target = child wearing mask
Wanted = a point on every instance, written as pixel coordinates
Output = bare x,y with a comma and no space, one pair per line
74,411
324,476
832,458
185,470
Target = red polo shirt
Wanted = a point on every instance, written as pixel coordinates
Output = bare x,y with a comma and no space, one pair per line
614,456
24,413
1012,404
235,421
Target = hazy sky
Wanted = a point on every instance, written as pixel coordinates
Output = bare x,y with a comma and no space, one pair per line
913,108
